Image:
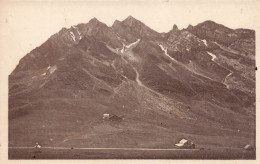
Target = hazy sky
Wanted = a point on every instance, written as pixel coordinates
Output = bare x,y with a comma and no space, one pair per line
26,25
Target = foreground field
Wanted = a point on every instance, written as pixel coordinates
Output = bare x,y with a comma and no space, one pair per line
67,153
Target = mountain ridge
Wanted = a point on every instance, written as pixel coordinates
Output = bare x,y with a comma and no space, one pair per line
191,83
96,21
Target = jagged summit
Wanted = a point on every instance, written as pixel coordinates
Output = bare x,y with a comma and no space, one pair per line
175,27
116,23
131,21
189,26
130,18
133,29
208,24
127,21
218,32
95,22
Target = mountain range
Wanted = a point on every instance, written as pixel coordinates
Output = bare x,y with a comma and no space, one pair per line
196,83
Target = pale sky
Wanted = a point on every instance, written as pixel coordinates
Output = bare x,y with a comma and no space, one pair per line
26,25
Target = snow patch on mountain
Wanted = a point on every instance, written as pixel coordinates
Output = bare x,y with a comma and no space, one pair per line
126,47
137,78
117,49
226,79
212,55
53,69
130,45
123,49
73,36
165,52
80,37
205,42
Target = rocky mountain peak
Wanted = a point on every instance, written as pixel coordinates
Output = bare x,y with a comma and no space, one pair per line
189,27
174,33
132,29
175,28
211,25
96,22
214,32
130,21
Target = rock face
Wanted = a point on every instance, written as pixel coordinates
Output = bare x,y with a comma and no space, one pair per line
196,83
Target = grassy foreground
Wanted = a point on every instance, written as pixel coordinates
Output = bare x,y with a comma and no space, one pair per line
130,154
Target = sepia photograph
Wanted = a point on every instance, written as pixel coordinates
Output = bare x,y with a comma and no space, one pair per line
170,80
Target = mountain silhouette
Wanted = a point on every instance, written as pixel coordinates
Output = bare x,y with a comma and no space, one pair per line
196,83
